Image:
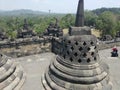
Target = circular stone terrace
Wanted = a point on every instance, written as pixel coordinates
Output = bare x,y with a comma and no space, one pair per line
35,66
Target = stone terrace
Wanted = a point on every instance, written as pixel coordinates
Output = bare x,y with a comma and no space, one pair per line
36,65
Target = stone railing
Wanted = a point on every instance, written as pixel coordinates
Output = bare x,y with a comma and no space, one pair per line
30,46
25,47
101,46
108,45
23,41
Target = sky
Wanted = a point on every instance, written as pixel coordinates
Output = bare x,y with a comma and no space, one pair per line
56,6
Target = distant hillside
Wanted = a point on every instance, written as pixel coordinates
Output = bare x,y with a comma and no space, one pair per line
27,12
21,12
101,10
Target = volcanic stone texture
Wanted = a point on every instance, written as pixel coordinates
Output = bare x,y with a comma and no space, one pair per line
79,31
11,74
78,67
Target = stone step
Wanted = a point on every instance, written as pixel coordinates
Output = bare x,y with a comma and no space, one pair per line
3,60
8,73
21,81
12,76
18,78
13,79
6,69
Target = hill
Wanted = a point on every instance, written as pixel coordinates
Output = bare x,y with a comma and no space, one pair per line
27,12
22,12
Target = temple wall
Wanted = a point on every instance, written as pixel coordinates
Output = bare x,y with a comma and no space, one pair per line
41,47
25,47
109,45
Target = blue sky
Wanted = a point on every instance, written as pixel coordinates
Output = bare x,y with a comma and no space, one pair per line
58,6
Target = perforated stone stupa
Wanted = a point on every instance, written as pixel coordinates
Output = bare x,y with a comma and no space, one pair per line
54,30
78,66
11,74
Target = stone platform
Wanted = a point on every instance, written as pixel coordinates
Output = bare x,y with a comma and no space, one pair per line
12,75
36,65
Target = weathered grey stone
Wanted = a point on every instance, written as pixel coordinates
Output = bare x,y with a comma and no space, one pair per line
11,74
26,31
54,30
77,65
79,31
3,35
106,38
80,14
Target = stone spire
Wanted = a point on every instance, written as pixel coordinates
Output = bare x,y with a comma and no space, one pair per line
12,76
80,14
79,28
25,26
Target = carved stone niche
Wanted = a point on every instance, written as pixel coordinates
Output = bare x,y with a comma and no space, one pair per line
78,67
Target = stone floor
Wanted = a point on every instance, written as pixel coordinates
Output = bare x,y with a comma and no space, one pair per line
35,66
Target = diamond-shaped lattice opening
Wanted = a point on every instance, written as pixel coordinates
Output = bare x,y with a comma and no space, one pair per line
64,56
88,60
95,47
63,40
75,54
72,48
95,58
92,53
88,48
66,46
71,59
76,43
69,41
84,55
92,43
68,52
1,55
84,43
80,49
79,61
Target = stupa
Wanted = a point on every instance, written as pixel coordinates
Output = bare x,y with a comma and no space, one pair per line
12,76
77,66
54,30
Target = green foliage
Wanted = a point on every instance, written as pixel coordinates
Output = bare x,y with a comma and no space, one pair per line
101,10
105,21
12,34
90,18
67,21
118,26
40,28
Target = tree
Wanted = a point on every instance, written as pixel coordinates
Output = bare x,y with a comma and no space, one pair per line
90,18
106,23
12,34
117,26
67,21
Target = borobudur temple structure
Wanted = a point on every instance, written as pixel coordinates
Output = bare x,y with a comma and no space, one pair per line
12,76
77,66
79,28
